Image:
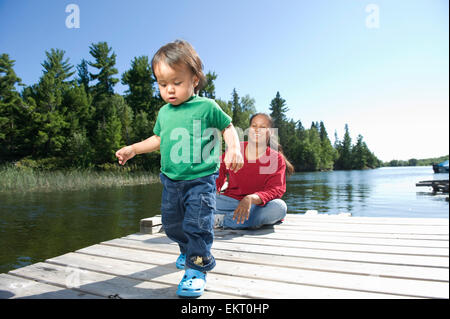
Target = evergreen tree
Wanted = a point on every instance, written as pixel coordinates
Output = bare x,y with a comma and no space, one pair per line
359,154
140,81
227,107
55,63
49,114
327,152
102,91
236,108
344,160
108,137
209,90
12,112
104,62
83,75
126,116
142,128
314,151
278,110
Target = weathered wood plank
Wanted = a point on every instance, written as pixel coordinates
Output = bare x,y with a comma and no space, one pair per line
320,232
12,287
400,259
108,286
150,225
372,283
268,233
373,228
241,286
304,257
375,269
335,219
355,246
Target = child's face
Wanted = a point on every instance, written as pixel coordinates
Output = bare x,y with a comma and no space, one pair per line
177,84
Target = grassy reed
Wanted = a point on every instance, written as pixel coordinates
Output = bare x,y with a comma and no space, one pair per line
14,179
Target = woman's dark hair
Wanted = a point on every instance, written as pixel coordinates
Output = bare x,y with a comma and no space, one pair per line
272,142
181,52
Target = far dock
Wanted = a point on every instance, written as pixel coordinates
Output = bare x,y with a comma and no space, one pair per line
441,185
304,257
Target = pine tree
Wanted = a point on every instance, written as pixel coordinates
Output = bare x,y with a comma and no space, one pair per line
327,152
55,63
104,62
141,91
315,148
12,112
359,154
83,75
236,110
126,116
49,114
108,137
344,160
278,110
209,90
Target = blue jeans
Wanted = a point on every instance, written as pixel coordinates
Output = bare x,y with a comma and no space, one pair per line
269,214
187,211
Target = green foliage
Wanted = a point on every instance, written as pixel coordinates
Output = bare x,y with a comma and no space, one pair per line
311,149
416,162
105,63
72,119
209,90
13,114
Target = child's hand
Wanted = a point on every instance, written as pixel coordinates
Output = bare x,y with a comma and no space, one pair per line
125,153
233,159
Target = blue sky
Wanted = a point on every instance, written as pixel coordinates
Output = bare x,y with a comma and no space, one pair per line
332,60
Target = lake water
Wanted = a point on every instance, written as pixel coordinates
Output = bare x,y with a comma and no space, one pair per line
37,226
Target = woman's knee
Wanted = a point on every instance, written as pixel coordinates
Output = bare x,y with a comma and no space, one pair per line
278,207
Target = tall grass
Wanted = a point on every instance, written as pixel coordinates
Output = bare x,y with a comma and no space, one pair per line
13,179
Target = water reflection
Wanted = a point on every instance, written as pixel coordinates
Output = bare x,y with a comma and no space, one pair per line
387,192
330,192
37,226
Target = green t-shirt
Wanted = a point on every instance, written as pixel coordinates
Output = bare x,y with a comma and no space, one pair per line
190,138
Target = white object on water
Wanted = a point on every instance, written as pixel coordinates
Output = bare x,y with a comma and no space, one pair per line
311,212
345,214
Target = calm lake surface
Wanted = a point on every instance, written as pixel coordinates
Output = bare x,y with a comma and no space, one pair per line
37,226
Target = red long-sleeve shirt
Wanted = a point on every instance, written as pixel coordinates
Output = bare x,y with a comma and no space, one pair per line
265,177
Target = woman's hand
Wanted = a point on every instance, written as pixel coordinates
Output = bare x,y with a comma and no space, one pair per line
125,153
242,212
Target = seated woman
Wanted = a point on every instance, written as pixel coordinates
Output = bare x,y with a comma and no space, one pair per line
253,196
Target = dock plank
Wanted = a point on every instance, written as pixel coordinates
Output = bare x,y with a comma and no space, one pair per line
382,270
240,285
303,257
13,287
368,283
400,259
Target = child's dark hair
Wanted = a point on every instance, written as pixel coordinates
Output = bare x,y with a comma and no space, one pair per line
181,52
272,142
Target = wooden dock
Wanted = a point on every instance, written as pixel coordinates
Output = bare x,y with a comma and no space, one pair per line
441,185
304,257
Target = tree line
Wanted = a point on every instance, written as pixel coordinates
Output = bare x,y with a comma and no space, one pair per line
72,117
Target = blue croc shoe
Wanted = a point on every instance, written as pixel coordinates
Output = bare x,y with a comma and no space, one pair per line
193,283
181,261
